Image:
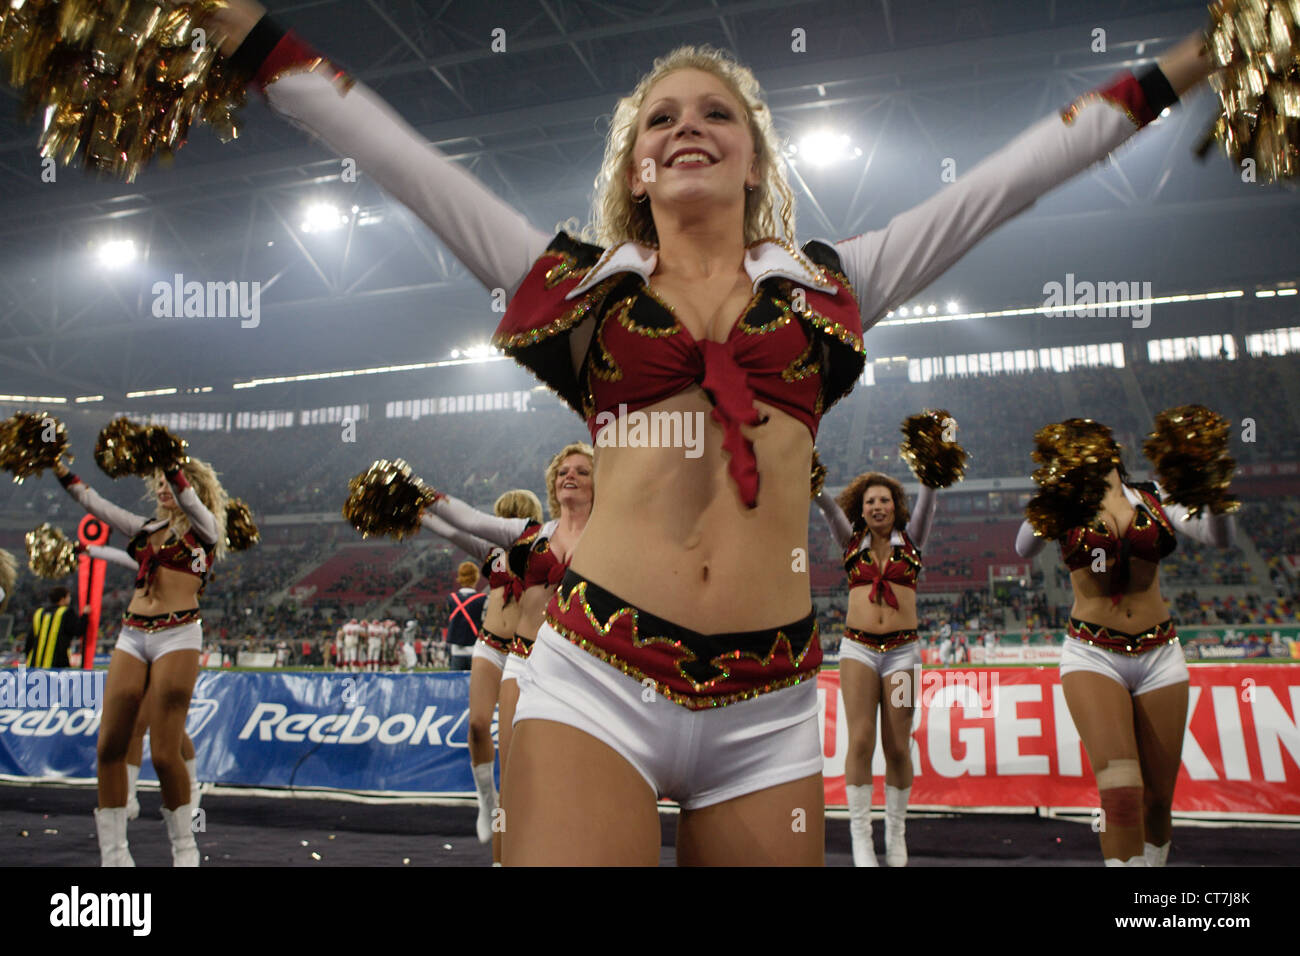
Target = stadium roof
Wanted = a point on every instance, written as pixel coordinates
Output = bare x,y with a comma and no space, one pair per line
911,83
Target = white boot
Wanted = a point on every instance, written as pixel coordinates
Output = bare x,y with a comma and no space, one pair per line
110,824
864,847
185,852
196,792
132,804
1132,861
896,825
1155,855
486,786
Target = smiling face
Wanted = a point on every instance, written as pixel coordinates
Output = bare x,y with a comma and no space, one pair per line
574,486
694,136
878,510
163,492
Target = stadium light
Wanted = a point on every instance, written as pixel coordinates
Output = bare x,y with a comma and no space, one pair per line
824,148
116,253
322,217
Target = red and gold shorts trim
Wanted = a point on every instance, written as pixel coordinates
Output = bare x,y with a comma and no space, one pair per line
521,646
1109,639
882,642
697,671
160,622
495,641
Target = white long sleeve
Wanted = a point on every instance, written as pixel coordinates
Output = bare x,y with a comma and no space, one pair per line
492,239
476,547
119,519
918,528
1028,544
890,265
202,522
113,556
500,531
1218,531
838,522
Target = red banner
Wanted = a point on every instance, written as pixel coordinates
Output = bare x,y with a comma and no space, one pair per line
1003,737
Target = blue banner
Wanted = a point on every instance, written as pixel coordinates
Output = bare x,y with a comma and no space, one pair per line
393,733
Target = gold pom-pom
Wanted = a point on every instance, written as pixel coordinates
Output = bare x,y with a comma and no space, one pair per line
8,577
936,462
818,474
1189,450
49,553
1077,456
387,499
30,443
125,448
241,531
118,81
1256,45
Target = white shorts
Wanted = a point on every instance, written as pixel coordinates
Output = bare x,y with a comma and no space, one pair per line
148,646
882,662
515,665
1140,673
486,652
696,757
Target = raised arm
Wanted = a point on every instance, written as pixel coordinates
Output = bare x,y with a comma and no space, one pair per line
838,522
890,265
476,547
1218,531
119,519
202,521
112,556
493,240
501,532
918,528
1028,544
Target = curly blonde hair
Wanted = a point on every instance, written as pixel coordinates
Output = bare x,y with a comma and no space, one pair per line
518,503
203,479
850,500
553,471
8,577
769,208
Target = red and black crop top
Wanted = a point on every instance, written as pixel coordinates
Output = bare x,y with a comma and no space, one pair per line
507,565
1149,536
903,567
187,554
543,568
797,345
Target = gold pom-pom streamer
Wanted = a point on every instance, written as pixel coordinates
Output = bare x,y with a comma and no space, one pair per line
1256,45
49,553
935,462
1189,450
387,499
30,443
818,474
241,531
120,80
1077,456
125,448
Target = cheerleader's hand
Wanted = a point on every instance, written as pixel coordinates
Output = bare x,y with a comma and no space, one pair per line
233,19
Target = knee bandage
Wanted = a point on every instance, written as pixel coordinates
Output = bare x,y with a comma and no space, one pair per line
1119,784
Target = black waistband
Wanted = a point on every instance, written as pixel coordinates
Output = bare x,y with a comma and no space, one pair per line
704,647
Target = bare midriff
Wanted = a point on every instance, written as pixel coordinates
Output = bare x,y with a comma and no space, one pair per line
170,591
670,535
1142,605
501,618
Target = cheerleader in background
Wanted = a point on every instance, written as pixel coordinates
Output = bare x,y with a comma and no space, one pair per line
500,619
157,651
880,656
1122,667
8,577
